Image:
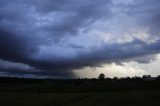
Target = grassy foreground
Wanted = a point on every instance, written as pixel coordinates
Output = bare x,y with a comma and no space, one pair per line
114,98
79,93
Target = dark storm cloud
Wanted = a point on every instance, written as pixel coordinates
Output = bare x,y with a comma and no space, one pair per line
147,14
123,51
22,30
112,53
71,16
27,26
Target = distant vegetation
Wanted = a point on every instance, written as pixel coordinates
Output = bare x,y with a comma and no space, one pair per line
100,84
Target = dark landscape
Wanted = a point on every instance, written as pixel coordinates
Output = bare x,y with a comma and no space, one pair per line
134,91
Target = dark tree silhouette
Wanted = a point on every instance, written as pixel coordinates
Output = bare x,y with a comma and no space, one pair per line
158,77
101,76
146,77
115,78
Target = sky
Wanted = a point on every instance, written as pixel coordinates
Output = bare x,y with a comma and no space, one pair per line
79,38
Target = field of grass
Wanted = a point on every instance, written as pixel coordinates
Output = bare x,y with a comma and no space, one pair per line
18,92
114,98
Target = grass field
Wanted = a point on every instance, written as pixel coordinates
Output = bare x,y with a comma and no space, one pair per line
79,93
114,98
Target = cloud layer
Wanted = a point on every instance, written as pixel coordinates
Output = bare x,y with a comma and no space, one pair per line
53,38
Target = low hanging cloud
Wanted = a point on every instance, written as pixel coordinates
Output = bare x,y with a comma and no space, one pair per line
51,38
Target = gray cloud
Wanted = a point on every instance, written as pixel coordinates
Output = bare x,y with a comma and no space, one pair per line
37,33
